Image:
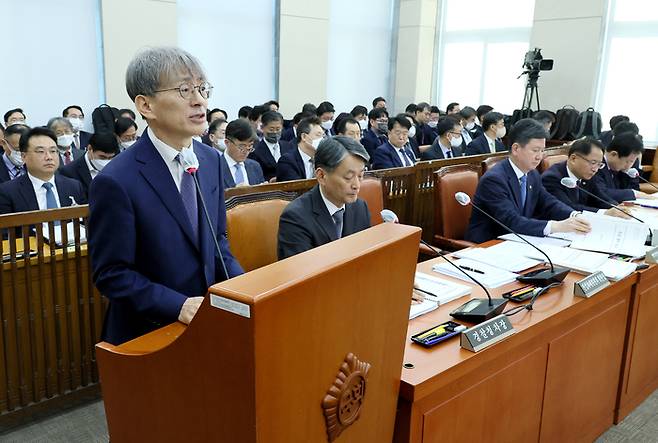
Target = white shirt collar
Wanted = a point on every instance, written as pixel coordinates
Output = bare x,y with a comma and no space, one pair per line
571,174
270,145
444,149
305,156
519,173
38,183
93,171
229,160
490,141
167,152
330,206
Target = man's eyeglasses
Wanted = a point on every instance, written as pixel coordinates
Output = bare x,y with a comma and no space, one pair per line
186,89
247,148
593,163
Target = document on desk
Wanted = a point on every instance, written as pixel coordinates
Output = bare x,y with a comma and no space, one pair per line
57,230
444,291
646,202
537,241
612,235
489,276
499,258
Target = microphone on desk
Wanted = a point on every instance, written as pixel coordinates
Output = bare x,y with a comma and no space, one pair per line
633,173
541,277
475,310
191,166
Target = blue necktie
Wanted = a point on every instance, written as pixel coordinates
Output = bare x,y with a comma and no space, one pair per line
51,202
524,189
239,175
338,221
188,195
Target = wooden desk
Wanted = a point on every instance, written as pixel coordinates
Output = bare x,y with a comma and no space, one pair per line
556,379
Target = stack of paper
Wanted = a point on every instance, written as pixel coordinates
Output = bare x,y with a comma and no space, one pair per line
418,309
537,241
444,291
612,235
498,258
489,276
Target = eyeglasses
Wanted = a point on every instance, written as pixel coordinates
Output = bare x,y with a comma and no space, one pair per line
248,148
185,90
592,163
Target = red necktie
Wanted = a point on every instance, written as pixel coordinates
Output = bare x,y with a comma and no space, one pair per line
67,157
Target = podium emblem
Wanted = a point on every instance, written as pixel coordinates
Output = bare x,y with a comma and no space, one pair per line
343,402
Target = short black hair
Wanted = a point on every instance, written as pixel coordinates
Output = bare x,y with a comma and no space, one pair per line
11,111
338,119
256,112
483,109
445,125
435,110
35,132
269,117
215,125
618,119
16,129
299,116
467,112
400,119
271,102
240,130
420,107
212,111
411,108
122,124
376,113
104,142
66,110
244,112
127,111
626,143
491,118
310,108
625,126
359,110
304,126
343,122
584,146
544,117
525,130
377,100
451,106
325,107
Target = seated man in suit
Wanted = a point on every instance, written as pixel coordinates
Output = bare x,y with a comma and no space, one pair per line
152,250
75,115
606,136
468,117
269,150
585,160
480,112
237,169
424,133
325,113
101,149
290,133
448,143
40,188
395,153
512,192
375,135
622,154
298,164
493,126
331,209
12,164
349,127
64,132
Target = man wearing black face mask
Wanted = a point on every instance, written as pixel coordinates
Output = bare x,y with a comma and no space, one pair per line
375,135
269,150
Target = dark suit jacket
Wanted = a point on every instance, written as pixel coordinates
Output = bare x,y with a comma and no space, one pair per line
386,157
371,141
4,172
254,173
606,138
18,195
84,139
480,145
436,153
79,171
77,153
424,135
617,184
264,157
290,167
476,132
499,194
144,255
288,134
306,223
575,198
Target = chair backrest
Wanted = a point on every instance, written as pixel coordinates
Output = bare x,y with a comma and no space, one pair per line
654,172
252,229
450,218
550,160
489,162
371,192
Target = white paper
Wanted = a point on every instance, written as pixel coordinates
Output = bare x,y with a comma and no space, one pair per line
537,241
418,309
489,276
445,291
612,235
499,258
648,202
58,233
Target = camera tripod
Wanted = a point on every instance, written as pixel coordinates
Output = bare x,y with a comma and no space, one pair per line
531,90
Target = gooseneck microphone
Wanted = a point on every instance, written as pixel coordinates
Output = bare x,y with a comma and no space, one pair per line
191,166
633,173
475,310
540,277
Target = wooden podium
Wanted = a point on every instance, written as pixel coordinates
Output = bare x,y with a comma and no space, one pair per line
308,349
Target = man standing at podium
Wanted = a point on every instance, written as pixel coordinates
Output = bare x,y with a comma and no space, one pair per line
151,246
331,209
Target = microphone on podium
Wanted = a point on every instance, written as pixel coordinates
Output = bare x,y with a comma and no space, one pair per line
191,166
540,277
633,173
475,310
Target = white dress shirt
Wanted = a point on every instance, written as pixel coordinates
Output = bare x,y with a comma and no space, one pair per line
169,154
492,144
446,150
232,167
40,191
308,164
330,206
93,171
274,148
404,158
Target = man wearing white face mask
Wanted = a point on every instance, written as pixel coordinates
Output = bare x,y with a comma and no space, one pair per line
326,113
101,149
448,143
12,165
64,132
493,125
298,164
77,118
217,134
